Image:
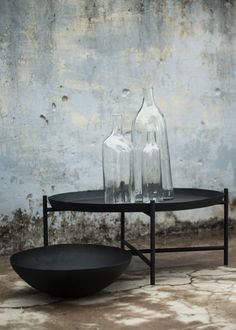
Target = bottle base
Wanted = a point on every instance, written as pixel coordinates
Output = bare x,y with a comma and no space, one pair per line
168,194
138,198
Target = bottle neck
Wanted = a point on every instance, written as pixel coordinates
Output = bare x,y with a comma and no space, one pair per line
148,98
117,124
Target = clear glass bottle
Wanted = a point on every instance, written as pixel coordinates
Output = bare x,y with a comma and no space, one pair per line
150,119
117,165
151,170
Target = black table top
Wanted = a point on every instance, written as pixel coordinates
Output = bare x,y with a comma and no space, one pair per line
93,201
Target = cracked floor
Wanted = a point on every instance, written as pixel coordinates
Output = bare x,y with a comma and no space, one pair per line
193,291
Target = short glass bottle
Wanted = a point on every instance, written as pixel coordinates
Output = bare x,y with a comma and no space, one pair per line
117,165
151,170
150,119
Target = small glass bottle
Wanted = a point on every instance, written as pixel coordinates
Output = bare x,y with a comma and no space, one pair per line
151,170
117,165
150,119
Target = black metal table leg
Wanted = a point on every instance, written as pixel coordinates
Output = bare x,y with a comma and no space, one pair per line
226,231
45,221
152,243
122,230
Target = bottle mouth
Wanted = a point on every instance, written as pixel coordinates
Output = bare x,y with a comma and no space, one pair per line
116,115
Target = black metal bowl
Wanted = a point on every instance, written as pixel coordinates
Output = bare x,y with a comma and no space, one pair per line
70,270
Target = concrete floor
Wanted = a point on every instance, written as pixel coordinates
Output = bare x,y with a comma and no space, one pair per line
193,291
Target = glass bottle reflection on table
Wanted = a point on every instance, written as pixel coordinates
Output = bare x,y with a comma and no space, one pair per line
151,170
117,165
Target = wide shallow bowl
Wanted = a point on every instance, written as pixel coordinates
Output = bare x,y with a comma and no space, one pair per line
70,270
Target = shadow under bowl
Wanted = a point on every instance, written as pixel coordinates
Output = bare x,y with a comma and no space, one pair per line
70,270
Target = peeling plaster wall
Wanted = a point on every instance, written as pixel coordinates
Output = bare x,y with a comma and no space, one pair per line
65,66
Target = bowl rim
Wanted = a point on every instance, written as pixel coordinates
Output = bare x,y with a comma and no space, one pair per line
104,267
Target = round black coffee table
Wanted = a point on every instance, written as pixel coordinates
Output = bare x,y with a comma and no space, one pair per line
185,198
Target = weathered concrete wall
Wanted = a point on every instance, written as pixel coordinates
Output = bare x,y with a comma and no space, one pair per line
65,66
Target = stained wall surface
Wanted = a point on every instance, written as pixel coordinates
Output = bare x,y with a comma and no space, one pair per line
66,66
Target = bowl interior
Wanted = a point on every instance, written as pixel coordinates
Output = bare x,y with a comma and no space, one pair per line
64,257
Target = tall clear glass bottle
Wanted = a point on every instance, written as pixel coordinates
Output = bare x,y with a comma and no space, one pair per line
117,165
150,119
151,170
